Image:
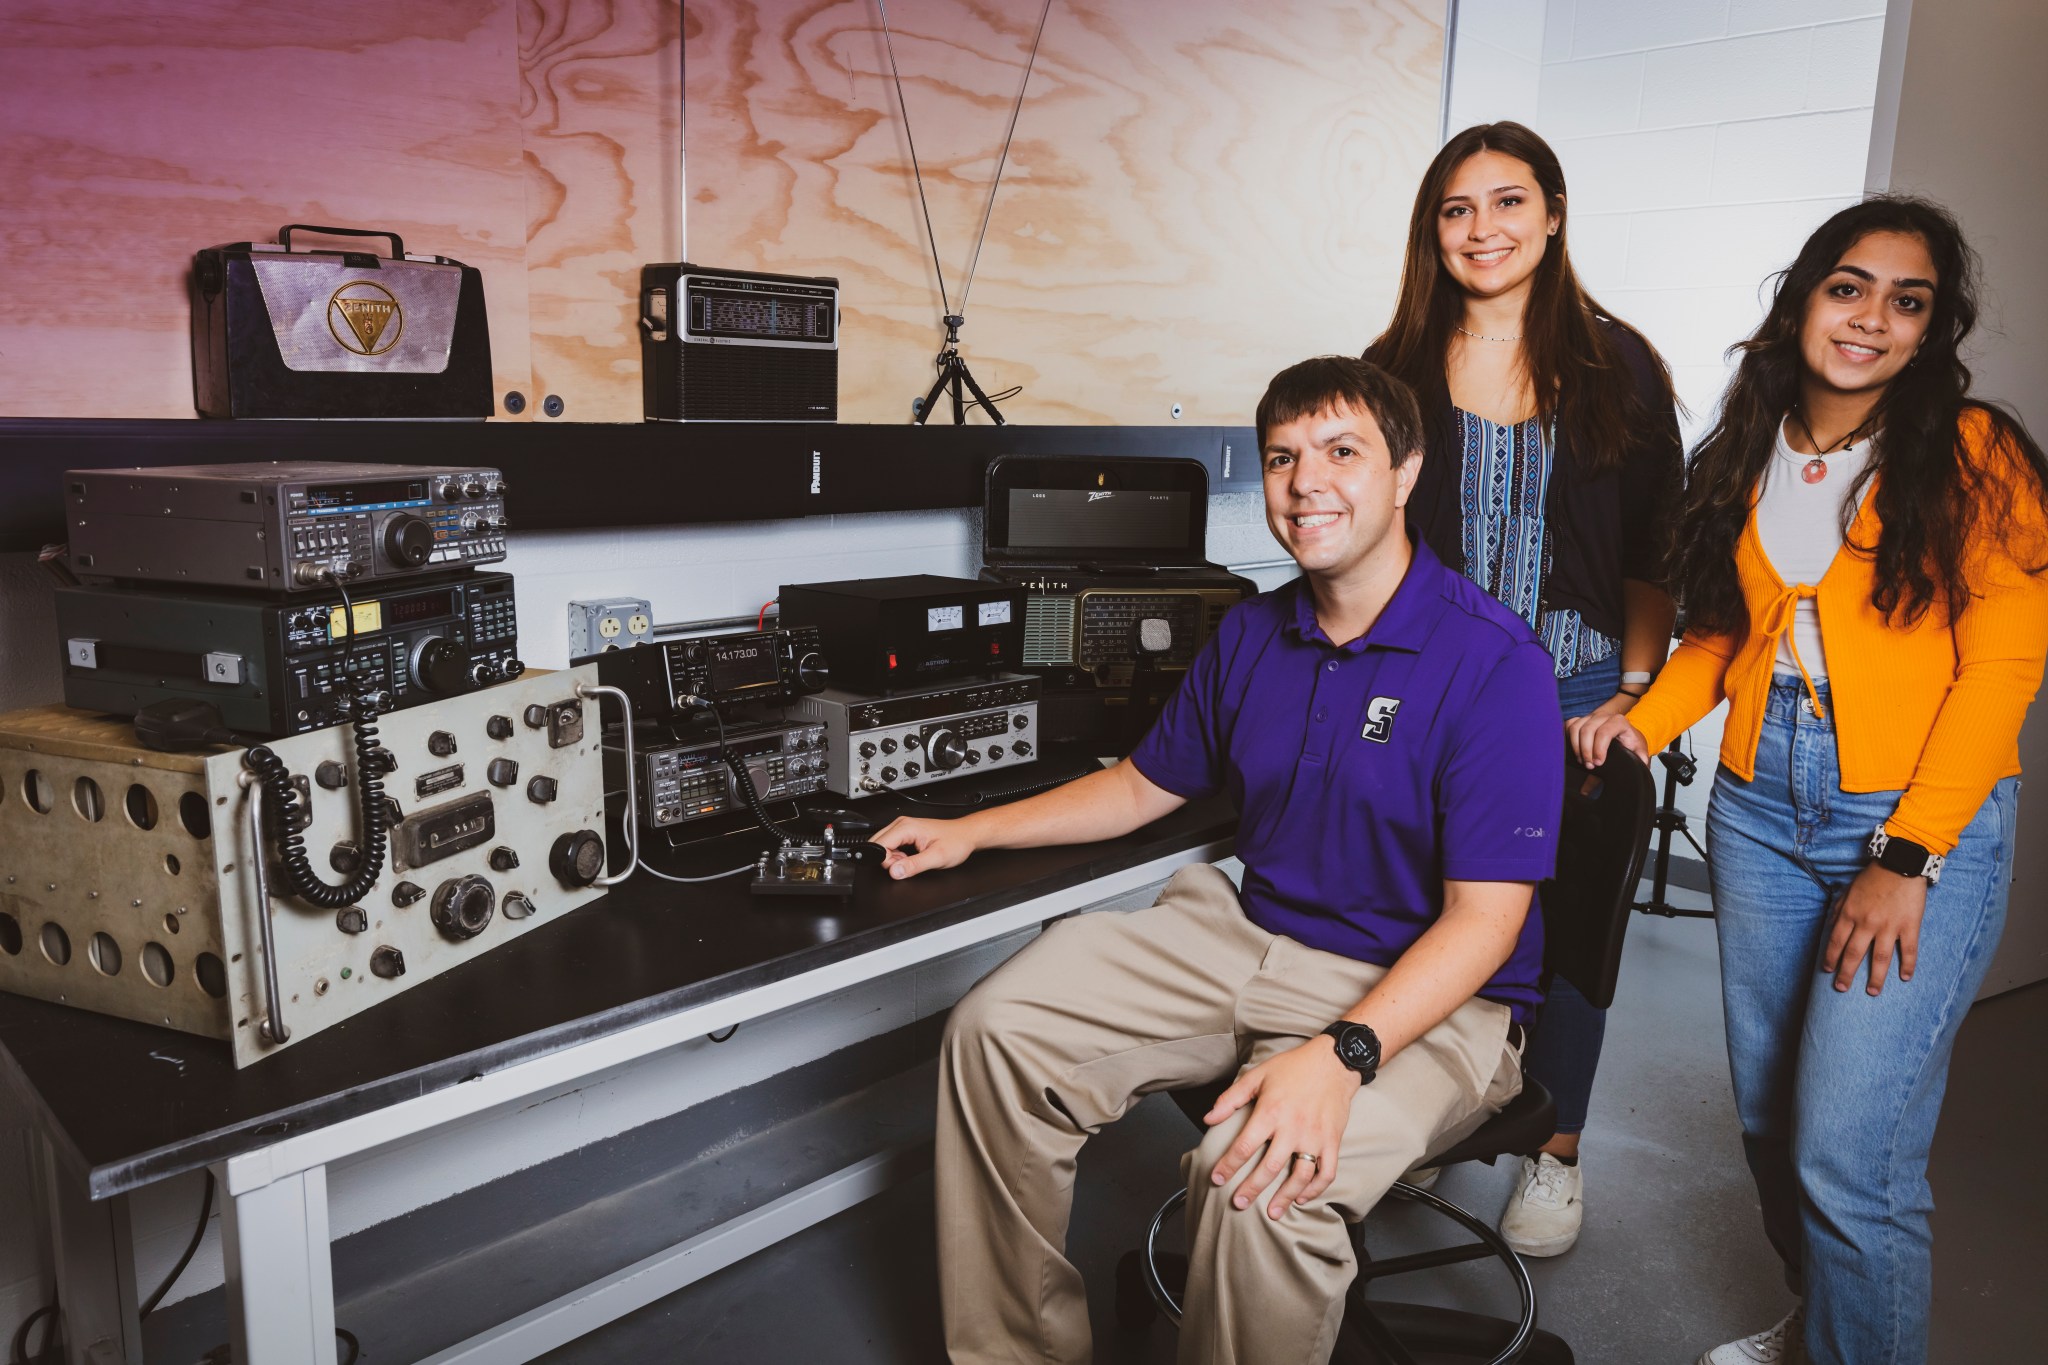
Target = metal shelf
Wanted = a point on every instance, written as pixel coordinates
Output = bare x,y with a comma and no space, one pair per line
572,475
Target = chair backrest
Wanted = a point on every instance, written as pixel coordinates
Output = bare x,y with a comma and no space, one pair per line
1602,839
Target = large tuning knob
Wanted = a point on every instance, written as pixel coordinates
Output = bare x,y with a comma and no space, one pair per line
463,907
408,540
442,665
945,749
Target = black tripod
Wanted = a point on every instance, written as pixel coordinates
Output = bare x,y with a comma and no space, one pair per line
953,373
1679,769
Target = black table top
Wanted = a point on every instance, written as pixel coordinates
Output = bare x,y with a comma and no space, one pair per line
135,1104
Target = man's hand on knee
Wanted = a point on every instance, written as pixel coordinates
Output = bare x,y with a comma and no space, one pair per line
1300,1103
937,843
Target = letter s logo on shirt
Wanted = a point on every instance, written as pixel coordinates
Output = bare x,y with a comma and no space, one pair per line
1379,718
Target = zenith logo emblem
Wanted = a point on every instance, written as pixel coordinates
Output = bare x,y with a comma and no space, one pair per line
365,318
1098,497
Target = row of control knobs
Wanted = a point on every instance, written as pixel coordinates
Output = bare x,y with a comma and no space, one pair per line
943,749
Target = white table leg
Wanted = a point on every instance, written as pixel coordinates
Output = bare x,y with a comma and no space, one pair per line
280,1277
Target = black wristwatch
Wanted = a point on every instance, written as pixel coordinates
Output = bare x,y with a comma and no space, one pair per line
1904,857
1358,1047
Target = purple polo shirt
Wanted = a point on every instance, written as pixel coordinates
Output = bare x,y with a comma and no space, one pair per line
1367,774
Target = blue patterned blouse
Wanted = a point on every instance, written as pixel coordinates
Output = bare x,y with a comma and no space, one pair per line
1507,546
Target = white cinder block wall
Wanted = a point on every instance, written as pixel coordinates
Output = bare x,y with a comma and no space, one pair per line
1701,140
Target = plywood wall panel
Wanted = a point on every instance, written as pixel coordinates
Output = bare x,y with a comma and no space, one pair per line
600,111
1198,193
131,136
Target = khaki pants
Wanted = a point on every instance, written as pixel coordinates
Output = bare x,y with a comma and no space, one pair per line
1108,1007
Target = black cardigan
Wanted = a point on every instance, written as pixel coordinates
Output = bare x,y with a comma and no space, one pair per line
1602,528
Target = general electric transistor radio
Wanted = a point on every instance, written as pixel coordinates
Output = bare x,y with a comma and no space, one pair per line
738,345
279,331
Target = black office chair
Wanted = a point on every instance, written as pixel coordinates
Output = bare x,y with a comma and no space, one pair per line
1603,836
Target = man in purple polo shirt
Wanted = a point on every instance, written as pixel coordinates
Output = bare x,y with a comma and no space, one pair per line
1391,738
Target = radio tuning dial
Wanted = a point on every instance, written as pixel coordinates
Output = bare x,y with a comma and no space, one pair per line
451,491
911,770
1023,748
946,750
441,665
811,671
577,859
483,673
867,749
408,540
474,489
973,757
463,907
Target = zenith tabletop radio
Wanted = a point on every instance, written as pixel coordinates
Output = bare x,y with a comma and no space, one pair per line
132,882
738,345
336,332
1118,595
887,634
290,526
274,666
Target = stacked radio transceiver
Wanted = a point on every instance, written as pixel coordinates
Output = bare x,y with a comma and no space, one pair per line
341,612
260,588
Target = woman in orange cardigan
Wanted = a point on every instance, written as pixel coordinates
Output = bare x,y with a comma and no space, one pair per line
1860,561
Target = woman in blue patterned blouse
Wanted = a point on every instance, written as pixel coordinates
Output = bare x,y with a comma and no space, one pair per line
1552,470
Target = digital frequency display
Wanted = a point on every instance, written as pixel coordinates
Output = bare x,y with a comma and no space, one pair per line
330,495
736,667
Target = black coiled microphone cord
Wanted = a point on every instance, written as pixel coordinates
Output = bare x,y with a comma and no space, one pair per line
281,807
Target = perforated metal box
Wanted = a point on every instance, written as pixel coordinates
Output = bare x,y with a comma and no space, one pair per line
126,884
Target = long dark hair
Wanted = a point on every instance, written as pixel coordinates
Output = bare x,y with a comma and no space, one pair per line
1574,366
1930,492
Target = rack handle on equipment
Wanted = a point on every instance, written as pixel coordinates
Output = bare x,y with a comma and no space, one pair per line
272,1030
632,821
284,236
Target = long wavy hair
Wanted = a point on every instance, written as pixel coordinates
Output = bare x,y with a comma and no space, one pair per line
1930,494
1573,364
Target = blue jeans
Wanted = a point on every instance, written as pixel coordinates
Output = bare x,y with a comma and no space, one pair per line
1564,1045
1837,1091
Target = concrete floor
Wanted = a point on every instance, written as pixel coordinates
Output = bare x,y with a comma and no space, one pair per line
1673,1259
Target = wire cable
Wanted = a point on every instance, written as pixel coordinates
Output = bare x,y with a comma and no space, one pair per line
1002,160
19,1355
198,1235
711,877
1008,136
889,42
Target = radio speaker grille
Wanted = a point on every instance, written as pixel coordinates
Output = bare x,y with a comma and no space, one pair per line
1048,631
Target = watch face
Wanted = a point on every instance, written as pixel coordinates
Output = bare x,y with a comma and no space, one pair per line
1358,1049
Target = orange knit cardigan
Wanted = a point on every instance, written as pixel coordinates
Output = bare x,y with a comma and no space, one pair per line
1933,709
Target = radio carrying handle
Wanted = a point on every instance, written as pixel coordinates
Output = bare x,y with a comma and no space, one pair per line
284,236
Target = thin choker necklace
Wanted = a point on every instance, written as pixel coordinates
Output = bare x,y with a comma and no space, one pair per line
1816,469
1478,337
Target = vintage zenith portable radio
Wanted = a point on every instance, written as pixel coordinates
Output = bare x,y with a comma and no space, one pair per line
738,345
330,332
1118,595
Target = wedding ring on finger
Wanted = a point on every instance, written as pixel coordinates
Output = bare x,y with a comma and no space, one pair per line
1309,1157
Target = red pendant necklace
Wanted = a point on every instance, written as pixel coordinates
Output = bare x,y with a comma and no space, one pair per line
1816,469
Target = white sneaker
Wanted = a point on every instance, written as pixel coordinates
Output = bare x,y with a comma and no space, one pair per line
1784,1344
1423,1177
1543,1214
